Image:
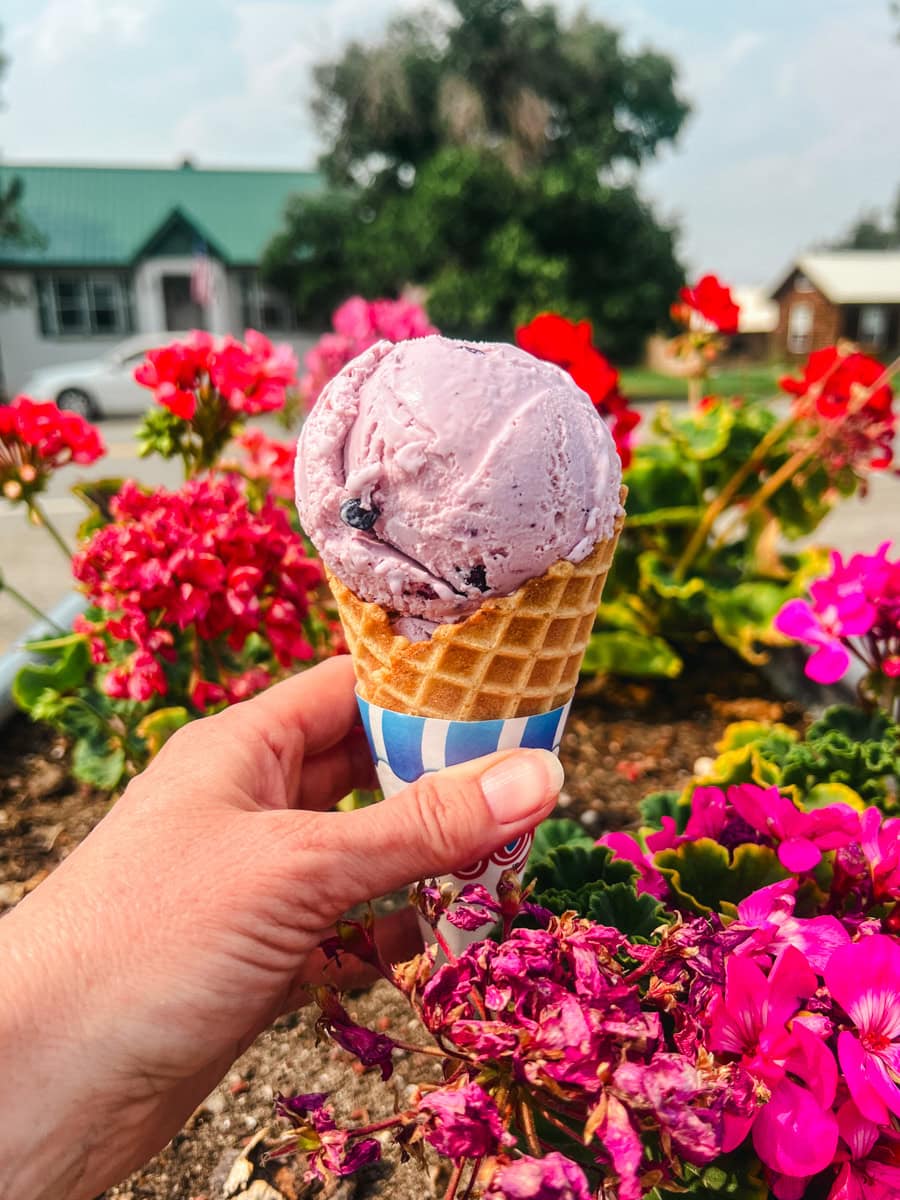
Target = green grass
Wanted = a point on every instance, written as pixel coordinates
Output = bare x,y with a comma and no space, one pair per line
752,379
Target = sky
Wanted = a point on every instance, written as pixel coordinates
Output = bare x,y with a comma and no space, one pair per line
794,132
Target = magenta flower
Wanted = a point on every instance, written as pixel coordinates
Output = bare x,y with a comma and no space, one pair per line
648,878
553,1177
864,979
794,1132
800,836
769,912
372,1049
328,1150
463,1122
829,661
871,1168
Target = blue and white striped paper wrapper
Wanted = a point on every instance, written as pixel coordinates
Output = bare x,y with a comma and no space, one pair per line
405,748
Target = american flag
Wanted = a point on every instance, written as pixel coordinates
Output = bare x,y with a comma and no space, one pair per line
202,277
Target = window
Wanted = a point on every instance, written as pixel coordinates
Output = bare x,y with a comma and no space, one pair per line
800,323
262,307
83,305
872,325
802,284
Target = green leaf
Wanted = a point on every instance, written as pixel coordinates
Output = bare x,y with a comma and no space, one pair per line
157,727
552,834
657,479
824,794
703,875
98,762
657,576
69,714
701,434
622,653
657,805
684,514
68,670
637,916
97,495
753,733
742,616
567,875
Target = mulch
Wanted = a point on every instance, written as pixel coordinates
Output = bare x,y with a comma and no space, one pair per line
624,739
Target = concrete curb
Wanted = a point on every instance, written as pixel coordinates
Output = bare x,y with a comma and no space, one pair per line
13,660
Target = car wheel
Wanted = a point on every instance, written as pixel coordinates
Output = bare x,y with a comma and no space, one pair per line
76,401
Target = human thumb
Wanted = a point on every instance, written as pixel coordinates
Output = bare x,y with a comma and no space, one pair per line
445,820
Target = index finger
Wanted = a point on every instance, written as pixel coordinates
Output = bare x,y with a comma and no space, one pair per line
317,707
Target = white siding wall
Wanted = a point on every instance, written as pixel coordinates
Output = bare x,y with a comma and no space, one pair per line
23,348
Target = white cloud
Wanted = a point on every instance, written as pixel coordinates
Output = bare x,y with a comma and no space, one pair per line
277,43
63,28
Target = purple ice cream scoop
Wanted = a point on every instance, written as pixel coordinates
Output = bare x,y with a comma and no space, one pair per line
434,473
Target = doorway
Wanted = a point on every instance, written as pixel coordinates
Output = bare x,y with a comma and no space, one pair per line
182,311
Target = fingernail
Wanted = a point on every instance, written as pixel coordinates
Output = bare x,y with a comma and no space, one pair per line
521,784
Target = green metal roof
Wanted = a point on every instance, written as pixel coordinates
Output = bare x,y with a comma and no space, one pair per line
111,215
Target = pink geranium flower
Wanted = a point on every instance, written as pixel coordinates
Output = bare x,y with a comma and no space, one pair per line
794,1132
769,912
864,979
871,1160
801,836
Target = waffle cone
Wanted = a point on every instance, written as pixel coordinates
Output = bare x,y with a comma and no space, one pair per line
515,656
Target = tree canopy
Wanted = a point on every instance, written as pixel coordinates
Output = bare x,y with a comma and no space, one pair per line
476,156
874,232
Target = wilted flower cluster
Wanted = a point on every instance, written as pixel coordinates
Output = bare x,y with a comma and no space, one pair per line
249,377
561,1025
848,399
570,345
359,324
855,610
184,578
37,438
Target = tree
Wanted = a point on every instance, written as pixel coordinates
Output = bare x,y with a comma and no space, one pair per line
475,158
873,232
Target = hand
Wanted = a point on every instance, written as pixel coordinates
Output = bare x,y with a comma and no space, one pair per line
190,918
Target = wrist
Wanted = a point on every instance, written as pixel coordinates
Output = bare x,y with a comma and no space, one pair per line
50,1131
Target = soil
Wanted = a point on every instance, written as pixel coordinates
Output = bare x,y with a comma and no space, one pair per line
623,741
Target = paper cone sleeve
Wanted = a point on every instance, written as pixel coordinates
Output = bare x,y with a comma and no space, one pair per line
516,656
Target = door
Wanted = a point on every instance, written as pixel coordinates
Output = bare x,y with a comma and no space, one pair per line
182,311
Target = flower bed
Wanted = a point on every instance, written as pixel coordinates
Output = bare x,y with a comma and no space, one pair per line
651,1016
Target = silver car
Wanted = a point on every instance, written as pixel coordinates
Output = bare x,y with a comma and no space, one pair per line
100,387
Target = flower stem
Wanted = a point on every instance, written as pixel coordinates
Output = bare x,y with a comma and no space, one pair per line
727,494
40,518
16,595
453,1185
526,1120
476,1167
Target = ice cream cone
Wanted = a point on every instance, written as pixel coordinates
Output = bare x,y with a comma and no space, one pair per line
516,656
405,747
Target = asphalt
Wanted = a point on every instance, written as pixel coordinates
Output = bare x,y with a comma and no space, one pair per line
34,564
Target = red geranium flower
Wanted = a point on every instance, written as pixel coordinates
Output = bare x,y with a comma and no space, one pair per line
711,300
847,393
200,560
37,438
569,344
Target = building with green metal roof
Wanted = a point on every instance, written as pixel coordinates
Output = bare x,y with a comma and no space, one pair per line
135,250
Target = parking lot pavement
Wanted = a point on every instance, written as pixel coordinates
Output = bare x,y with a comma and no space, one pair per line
34,564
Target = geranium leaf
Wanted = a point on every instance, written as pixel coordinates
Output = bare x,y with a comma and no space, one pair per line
157,727
68,670
618,905
552,834
624,653
703,873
